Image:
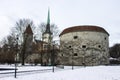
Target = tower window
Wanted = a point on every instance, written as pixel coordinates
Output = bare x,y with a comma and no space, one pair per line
83,46
105,38
70,46
75,54
45,46
61,54
99,46
75,37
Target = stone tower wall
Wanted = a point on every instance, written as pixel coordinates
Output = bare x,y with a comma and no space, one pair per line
84,48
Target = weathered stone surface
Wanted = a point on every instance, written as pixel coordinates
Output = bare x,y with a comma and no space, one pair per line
89,48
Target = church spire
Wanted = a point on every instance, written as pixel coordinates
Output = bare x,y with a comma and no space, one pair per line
48,18
47,35
48,24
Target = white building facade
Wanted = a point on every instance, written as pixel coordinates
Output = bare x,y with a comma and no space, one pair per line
84,45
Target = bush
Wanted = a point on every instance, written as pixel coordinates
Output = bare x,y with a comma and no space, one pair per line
114,61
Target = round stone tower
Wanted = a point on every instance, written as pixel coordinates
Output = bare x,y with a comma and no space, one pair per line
84,45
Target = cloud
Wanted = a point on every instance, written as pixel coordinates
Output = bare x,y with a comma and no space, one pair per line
64,13
4,26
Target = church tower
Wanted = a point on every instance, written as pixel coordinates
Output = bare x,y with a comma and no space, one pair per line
28,39
47,35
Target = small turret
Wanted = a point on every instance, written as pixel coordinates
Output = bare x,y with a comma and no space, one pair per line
28,39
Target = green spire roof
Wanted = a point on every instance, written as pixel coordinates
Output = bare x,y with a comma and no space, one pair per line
48,24
48,19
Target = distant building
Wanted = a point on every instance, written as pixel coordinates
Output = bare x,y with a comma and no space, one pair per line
28,39
27,46
47,35
39,51
84,45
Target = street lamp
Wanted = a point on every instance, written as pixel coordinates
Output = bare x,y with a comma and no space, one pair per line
72,60
53,56
16,56
41,50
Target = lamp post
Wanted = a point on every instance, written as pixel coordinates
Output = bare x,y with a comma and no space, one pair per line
42,54
15,67
16,56
72,60
53,56
54,44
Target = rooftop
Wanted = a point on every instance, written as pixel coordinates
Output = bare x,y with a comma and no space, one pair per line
84,28
28,30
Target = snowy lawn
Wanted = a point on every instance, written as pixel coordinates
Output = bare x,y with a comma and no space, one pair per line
79,73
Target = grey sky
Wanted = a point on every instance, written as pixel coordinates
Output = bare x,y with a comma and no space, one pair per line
64,13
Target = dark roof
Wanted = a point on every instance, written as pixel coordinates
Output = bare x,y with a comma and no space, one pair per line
48,29
48,24
39,41
28,30
84,28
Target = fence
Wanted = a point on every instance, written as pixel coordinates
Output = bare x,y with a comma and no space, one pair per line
9,71
6,72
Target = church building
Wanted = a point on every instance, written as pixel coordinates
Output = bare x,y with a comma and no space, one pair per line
47,35
40,50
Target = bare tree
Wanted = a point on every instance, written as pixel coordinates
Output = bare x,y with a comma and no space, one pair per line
20,27
115,51
42,27
8,49
18,31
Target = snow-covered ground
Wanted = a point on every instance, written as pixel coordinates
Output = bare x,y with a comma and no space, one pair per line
79,73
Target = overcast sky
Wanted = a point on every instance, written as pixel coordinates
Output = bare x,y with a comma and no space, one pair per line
64,13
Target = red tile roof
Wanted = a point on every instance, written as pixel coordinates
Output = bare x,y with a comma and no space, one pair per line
84,28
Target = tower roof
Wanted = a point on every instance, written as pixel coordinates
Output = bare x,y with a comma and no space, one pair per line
47,30
84,28
48,17
28,30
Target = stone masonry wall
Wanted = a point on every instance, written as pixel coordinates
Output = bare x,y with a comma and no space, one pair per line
84,48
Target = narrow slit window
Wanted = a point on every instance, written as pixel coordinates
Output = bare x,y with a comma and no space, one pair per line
75,54
105,38
83,46
75,37
70,46
99,46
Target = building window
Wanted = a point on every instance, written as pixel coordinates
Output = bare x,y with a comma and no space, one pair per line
84,46
61,54
105,38
45,46
44,37
75,37
75,54
70,46
99,46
